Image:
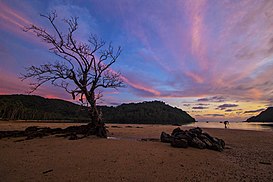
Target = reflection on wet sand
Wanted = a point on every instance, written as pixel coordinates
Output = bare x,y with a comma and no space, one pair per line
259,126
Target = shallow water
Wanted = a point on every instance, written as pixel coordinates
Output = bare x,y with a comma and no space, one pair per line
258,126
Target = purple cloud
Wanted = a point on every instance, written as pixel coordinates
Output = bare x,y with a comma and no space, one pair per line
224,106
215,115
212,99
199,107
202,104
254,111
229,110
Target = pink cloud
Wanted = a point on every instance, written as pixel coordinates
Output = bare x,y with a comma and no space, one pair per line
243,40
140,87
14,21
197,78
11,16
11,84
196,13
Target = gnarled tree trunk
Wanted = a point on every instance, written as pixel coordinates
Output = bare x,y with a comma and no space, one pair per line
96,125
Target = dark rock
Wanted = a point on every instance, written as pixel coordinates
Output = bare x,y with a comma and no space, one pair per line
37,134
189,137
165,138
45,130
214,140
202,136
208,136
206,140
194,138
179,143
218,144
71,129
31,129
73,136
184,136
196,130
179,136
192,135
9,134
177,131
197,143
217,147
222,142
56,130
208,143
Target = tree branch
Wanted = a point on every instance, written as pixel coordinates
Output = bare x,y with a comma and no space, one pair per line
85,66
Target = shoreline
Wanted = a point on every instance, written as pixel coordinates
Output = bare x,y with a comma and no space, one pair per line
252,126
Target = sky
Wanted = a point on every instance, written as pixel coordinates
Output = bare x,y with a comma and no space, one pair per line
211,58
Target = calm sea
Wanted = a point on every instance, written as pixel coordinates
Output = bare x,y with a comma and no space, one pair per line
259,126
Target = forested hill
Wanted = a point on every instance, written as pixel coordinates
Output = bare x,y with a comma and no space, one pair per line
264,116
147,112
30,107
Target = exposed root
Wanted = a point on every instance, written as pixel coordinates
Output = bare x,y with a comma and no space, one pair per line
71,132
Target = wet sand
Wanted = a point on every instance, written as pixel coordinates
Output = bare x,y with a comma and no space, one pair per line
248,156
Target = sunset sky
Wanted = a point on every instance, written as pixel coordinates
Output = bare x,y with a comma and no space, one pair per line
211,58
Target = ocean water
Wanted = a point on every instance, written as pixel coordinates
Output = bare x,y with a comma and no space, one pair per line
258,126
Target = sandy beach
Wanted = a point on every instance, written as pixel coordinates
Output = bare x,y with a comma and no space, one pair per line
248,156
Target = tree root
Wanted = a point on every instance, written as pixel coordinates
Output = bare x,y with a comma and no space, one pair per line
71,132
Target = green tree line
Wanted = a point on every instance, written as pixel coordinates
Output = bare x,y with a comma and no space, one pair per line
29,107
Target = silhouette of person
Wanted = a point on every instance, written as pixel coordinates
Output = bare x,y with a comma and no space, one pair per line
226,123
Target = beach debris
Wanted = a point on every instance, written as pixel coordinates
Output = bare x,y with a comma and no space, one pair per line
194,137
50,170
149,139
114,126
266,163
176,124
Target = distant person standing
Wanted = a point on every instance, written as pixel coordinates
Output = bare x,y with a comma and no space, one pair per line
226,123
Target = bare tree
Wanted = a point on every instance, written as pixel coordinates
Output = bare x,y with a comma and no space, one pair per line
85,67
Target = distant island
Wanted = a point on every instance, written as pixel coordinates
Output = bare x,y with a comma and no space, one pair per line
31,107
264,116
